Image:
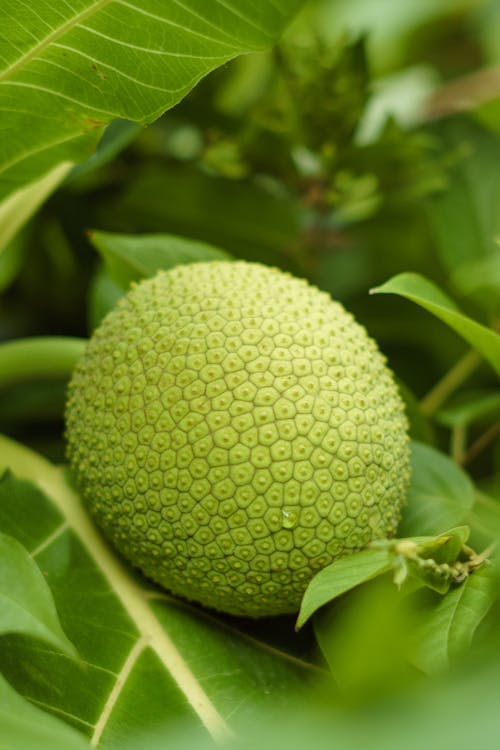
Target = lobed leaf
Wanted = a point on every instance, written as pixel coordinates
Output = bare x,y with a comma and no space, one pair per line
68,69
417,288
149,663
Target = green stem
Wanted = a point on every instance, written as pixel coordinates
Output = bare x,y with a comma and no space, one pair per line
458,442
39,358
481,443
451,381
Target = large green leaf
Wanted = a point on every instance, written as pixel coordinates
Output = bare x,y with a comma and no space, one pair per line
25,727
68,69
20,205
426,294
147,662
458,713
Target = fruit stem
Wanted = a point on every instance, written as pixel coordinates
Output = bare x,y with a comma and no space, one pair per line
40,358
450,382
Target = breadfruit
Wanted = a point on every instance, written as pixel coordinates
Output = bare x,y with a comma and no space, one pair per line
233,431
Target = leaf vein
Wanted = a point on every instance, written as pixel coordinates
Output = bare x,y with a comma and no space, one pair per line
58,94
116,70
150,50
184,29
37,49
59,711
129,593
244,18
193,13
113,696
49,539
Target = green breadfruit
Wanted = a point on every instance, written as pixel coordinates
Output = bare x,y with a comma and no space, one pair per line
233,430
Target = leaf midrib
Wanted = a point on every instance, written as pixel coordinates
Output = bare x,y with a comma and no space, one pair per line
50,38
28,465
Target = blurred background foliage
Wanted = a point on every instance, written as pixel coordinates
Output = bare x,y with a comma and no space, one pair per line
366,144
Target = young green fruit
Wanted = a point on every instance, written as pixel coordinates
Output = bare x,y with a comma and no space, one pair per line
233,430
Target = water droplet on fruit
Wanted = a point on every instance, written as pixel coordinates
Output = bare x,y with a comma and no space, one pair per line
289,519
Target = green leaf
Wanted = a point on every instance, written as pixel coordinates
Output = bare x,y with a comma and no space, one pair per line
364,639
341,576
444,548
441,494
432,566
68,70
448,627
19,206
148,661
22,204
426,294
131,257
454,541
459,712
25,727
26,603
117,135
485,518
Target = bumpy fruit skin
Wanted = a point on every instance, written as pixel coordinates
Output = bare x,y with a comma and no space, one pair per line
233,430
